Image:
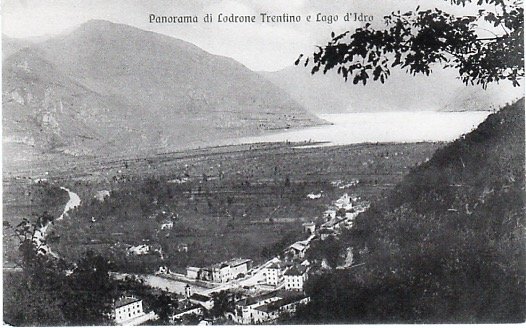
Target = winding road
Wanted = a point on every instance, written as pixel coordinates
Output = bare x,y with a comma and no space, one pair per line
40,235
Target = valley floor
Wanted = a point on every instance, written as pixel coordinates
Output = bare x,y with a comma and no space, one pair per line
219,203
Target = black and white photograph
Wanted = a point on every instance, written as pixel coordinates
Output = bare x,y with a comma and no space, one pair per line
263,162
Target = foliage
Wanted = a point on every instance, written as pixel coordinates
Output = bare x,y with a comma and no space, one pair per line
51,292
416,40
165,306
329,249
87,291
448,240
223,302
26,303
279,246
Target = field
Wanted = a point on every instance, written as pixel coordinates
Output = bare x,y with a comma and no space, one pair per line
221,202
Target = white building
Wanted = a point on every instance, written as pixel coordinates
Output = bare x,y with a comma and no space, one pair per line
268,307
192,272
270,312
190,310
273,274
295,278
139,250
298,249
127,309
221,272
202,300
309,227
239,266
344,202
245,307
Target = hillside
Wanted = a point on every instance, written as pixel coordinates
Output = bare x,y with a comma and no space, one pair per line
107,88
447,245
12,45
330,93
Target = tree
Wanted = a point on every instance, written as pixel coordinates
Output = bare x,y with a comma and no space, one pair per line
223,302
88,291
58,292
416,40
164,306
424,254
27,303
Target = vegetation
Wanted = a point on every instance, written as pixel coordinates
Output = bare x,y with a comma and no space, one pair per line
446,245
416,40
26,199
251,204
51,292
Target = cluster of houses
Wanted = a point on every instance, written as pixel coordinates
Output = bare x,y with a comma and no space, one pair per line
267,292
341,215
221,272
264,307
287,275
267,307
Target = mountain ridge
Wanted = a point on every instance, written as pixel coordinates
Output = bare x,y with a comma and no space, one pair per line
130,90
440,91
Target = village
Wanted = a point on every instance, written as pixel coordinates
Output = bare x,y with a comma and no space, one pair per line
247,293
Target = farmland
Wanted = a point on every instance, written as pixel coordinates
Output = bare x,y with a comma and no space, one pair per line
220,202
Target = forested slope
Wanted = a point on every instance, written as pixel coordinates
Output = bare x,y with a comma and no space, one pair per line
447,245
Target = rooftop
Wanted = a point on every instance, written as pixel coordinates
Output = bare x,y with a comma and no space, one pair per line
295,271
200,297
276,305
231,263
188,307
125,301
236,262
255,299
275,266
299,245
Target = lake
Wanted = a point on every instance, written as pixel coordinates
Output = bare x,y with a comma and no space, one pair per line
353,128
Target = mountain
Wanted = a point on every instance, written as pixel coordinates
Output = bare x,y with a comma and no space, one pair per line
447,245
108,88
12,45
329,93
476,98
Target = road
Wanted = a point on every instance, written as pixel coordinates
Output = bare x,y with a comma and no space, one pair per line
40,234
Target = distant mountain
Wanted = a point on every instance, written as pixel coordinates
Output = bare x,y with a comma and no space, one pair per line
113,89
476,98
329,93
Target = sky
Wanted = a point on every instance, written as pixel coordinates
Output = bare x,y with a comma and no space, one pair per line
260,47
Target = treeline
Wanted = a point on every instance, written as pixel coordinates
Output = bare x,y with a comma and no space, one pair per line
447,245
49,291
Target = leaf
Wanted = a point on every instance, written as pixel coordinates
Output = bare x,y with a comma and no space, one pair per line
298,60
356,79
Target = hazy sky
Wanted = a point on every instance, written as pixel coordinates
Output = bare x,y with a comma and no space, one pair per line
269,46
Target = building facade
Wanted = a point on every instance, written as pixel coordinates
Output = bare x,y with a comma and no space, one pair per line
127,308
273,274
295,278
